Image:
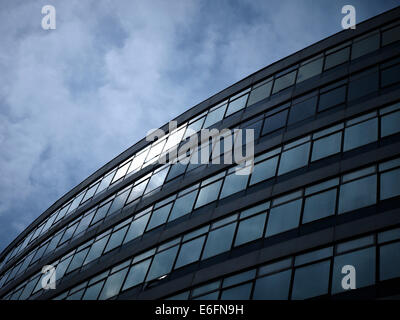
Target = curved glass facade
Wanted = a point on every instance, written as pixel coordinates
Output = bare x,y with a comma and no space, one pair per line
323,193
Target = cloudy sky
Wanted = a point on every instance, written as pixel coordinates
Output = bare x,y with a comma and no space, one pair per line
73,98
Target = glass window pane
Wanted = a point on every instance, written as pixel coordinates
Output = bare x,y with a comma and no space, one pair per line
364,263
77,260
101,213
363,86
237,293
159,216
294,158
284,218
136,228
219,240
96,249
183,205
260,93
236,105
357,194
190,252
162,263
332,98
390,124
390,36
116,239
326,146
264,170
92,292
390,76
303,110
250,229
176,170
233,183
285,81
214,116
275,122
137,274
320,206
210,296
157,180
84,223
113,285
389,261
311,281
361,134
208,194
390,186
273,287
310,70
119,202
337,58
365,46
62,267
137,191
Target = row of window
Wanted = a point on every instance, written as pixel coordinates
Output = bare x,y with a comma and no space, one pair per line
349,192
339,138
307,69
305,276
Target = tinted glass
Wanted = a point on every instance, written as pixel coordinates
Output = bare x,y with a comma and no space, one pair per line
294,158
208,194
303,110
363,86
390,186
319,206
273,287
360,134
137,228
96,249
284,218
275,122
332,98
183,205
285,81
159,216
390,36
364,263
136,274
77,260
219,240
237,293
310,70
337,58
264,170
162,263
236,105
390,124
357,194
92,292
116,239
234,183
389,261
190,252
260,93
326,146
250,229
113,285
390,76
214,116
311,281
365,46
